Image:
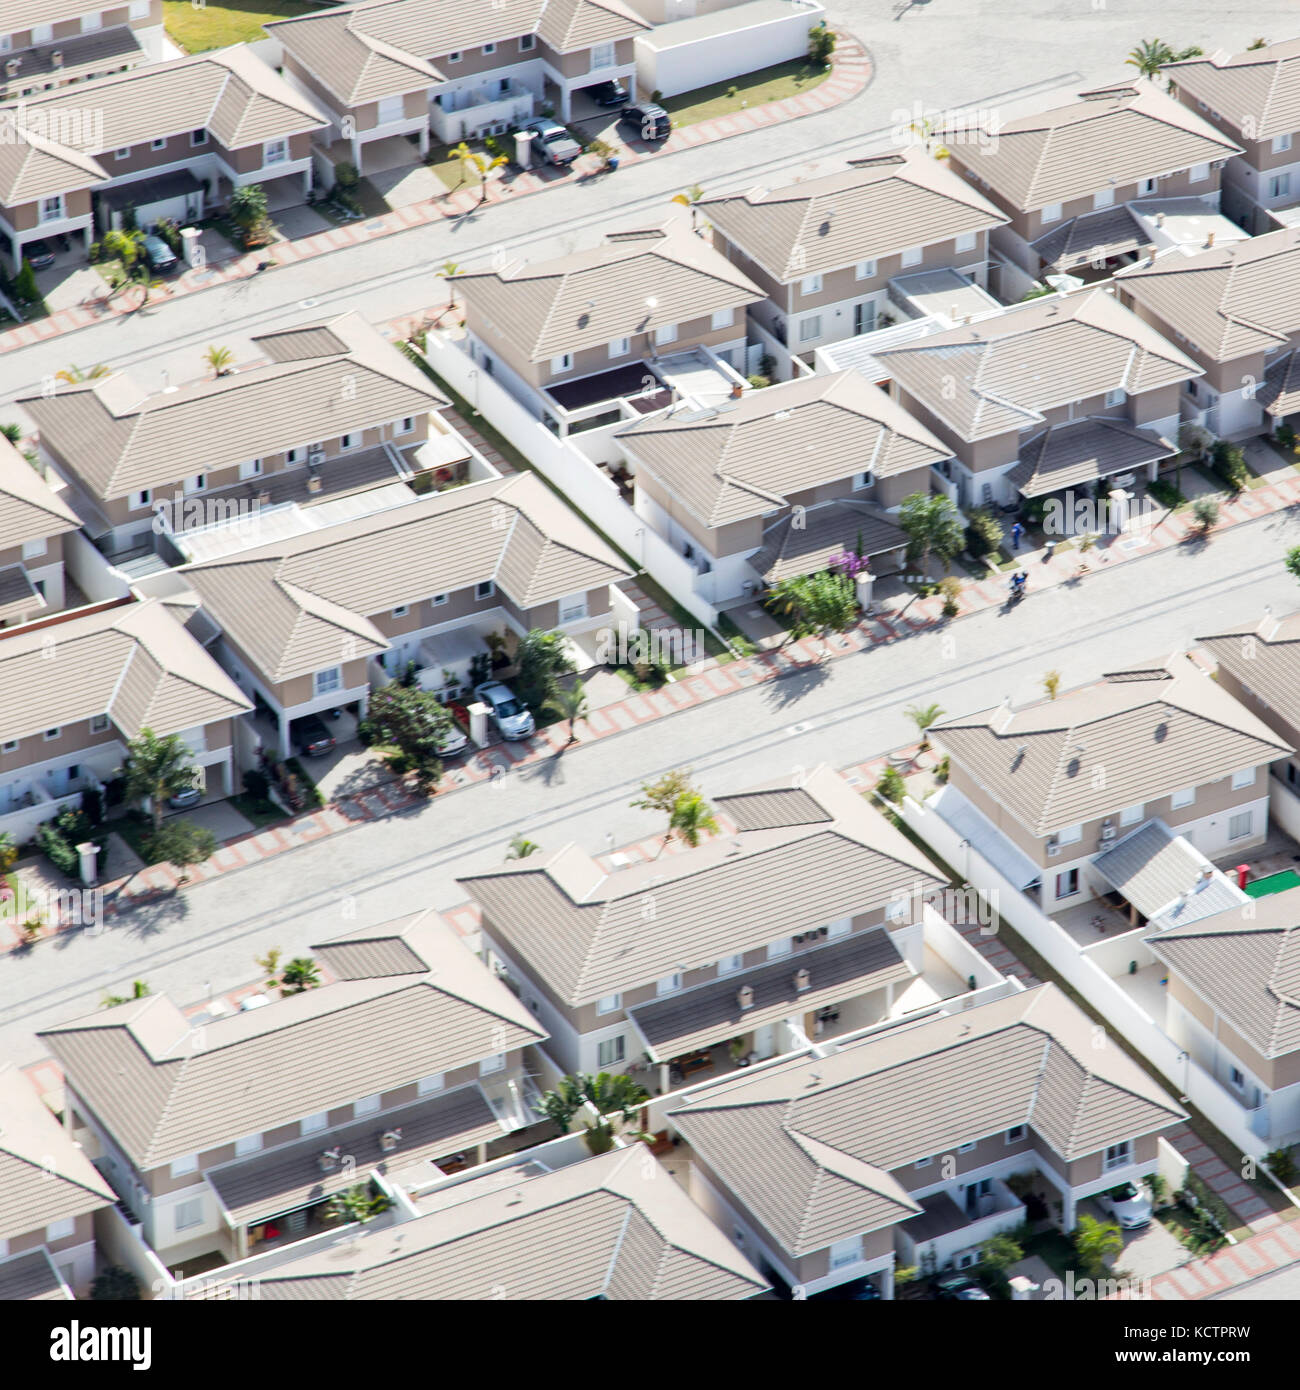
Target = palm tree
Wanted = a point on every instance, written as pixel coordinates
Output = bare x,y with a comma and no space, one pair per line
1149,57
219,359
573,706
1052,683
139,990
157,768
270,964
1095,1240
302,973
817,604
688,199
520,848
563,1103
691,819
933,527
615,1092
923,716
13,433
445,272
75,375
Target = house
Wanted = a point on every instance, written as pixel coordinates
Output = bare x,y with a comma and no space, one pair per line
33,523
1067,178
1249,97
541,1226
225,1131
435,68
54,43
335,410
592,325
302,617
1233,311
775,483
77,687
1101,400
170,139
49,1194
1231,1007
830,253
914,1142
806,916
1046,790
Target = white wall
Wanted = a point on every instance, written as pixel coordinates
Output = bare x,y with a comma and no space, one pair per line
95,577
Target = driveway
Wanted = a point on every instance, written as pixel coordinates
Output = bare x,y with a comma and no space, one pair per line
1148,1252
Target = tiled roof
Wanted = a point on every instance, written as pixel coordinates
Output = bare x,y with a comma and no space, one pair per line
827,530
1095,237
1164,876
33,167
30,1276
1080,451
29,510
1257,92
1266,660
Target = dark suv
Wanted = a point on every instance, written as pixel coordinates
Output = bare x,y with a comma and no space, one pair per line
311,736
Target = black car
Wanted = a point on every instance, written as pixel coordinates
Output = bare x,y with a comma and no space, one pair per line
608,93
311,736
160,256
39,254
651,121
855,1291
960,1287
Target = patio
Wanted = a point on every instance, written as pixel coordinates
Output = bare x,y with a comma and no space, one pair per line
1277,854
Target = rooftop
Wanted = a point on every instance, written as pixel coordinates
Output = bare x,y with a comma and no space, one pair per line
1257,91
1265,658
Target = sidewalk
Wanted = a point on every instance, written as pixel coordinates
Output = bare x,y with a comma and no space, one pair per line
851,71
1262,1253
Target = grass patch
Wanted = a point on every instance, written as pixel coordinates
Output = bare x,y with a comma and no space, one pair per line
451,173
789,79
1055,1249
742,645
134,828
261,813
196,28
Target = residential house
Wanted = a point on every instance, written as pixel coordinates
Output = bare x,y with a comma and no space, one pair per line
336,410
1235,311
544,1226
49,1194
591,326
1067,178
834,255
77,687
1045,790
900,1145
302,617
54,43
421,68
1046,397
805,918
1231,1006
224,1131
34,520
171,139
777,482
1250,97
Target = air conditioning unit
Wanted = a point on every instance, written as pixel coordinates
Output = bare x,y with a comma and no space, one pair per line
798,941
390,1139
1108,831
316,458
1053,847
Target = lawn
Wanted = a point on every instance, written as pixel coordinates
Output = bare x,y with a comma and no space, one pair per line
790,79
196,28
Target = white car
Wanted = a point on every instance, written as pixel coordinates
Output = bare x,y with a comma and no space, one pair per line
454,741
253,1001
509,713
1128,1204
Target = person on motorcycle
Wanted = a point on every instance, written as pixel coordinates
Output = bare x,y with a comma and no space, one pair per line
1018,582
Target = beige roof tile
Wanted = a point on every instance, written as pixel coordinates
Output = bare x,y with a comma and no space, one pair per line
29,509
1257,92
568,25
33,167
827,530
30,1276
1265,658
1081,451
1096,237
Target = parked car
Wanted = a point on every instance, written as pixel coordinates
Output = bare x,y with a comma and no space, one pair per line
254,1001
512,717
40,254
855,1291
455,741
311,736
159,255
190,796
1128,1204
552,143
959,1287
652,122
608,93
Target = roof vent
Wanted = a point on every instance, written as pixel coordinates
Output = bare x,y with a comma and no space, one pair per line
734,847
328,1161
11,66
745,996
516,1197
802,980
1160,219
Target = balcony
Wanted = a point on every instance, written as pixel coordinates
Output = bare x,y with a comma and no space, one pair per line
480,110
958,1219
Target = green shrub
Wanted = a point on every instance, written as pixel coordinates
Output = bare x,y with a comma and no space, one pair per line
1206,512
1165,493
758,381
94,251
1285,436
346,176
57,850
1229,464
983,533
891,785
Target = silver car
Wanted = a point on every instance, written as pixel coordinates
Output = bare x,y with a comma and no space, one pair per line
551,142
1128,1204
512,717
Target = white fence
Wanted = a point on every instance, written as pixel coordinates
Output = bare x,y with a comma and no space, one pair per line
1059,950
573,473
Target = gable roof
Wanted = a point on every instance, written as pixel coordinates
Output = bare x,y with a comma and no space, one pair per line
742,458
323,380
1259,89
1266,660
592,297
880,206
606,1227
287,603
583,931
29,509
1079,451
568,25
1003,373
1229,300
44,1176
811,1146
1164,876
33,167
822,532
1245,962
1111,136
164,1088
1154,731
133,662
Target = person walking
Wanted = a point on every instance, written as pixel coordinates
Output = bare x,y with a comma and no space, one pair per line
1017,535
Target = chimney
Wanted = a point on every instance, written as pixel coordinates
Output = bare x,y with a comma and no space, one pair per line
745,996
11,67
802,980
1160,219
315,483
1209,239
737,390
56,58
390,1139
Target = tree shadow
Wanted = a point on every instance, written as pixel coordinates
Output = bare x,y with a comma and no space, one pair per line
794,685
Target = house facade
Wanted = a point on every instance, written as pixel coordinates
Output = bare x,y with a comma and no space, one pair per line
34,520
55,43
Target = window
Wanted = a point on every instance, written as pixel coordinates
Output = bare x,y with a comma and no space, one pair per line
603,55
728,965
1281,144
723,318
1103,199
670,984
1050,213
1131,815
189,1214
1182,798
862,480
923,1162
453,57
780,948
620,347
198,137
1238,1078
527,43
610,1004
438,600
52,208
42,33
965,242
430,1085
573,607
489,48
1244,778
139,9
489,1065
406,425
33,550
9,746
1015,1134
810,284
160,144
249,1144
665,333
181,1166
1198,173
487,589
1117,1155
1241,826
864,270
609,1051
401,610
1279,186
293,457
1071,835
846,1252
99,724
60,1230
1146,187
348,441
1116,397
841,928
196,483
51,734
1067,884
313,1124
810,328
123,153
275,151
331,678
367,1105
251,469
913,256
562,363
91,22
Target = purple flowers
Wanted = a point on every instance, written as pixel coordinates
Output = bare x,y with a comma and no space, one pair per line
846,562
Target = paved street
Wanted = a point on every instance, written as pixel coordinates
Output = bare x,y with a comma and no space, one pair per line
843,713
1284,1285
